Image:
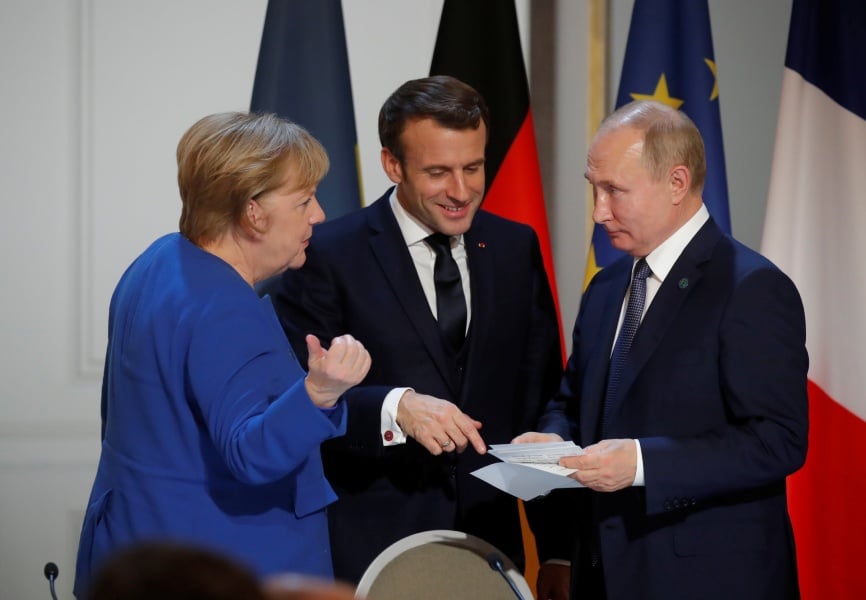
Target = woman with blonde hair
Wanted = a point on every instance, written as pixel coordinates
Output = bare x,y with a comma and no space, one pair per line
210,427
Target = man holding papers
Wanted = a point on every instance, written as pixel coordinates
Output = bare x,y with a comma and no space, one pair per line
686,386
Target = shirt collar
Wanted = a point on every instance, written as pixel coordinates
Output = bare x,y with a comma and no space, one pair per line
662,259
413,230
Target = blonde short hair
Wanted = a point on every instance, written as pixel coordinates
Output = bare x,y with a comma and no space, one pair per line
225,159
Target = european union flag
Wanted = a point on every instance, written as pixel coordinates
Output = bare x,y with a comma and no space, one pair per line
669,58
303,75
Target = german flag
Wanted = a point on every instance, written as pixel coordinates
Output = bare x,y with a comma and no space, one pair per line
479,43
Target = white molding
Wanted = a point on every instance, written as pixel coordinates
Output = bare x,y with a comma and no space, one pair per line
49,445
87,353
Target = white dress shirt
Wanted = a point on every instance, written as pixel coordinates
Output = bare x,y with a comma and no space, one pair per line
424,258
661,261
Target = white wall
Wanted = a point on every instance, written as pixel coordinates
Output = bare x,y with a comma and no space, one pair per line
94,95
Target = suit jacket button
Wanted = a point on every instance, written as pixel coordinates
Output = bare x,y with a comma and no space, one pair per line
676,502
667,505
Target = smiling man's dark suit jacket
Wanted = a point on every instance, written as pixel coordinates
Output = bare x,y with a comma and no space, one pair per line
715,390
359,279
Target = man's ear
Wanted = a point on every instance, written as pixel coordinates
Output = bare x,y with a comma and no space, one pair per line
391,165
679,180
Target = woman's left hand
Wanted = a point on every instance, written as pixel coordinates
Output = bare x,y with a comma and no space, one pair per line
335,370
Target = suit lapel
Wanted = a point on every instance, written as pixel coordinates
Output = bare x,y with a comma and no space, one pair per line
483,282
389,248
675,289
609,292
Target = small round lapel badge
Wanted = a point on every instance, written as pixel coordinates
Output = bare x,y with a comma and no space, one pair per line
684,283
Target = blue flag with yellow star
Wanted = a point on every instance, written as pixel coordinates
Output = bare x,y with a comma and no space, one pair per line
669,58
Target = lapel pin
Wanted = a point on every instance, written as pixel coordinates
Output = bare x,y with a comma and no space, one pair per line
482,245
684,283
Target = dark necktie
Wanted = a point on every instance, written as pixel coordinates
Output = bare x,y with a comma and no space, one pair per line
450,302
630,323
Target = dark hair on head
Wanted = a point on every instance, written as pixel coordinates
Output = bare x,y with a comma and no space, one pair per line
171,571
446,100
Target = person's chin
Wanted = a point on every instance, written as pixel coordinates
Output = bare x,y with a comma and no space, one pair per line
298,261
295,263
619,241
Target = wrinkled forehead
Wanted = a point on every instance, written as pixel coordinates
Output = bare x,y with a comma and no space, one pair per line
613,148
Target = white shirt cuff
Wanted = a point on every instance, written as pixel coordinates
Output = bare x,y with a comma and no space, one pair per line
391,432
638,474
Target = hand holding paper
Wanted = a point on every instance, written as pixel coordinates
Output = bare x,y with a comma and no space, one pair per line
530,470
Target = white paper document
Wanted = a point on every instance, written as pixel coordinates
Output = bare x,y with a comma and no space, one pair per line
529,470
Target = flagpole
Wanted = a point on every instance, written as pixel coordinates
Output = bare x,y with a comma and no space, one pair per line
596,105
597,89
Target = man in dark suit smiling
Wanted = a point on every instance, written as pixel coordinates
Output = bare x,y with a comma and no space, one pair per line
455,308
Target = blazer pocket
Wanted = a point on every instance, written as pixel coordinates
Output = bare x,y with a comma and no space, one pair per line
747,536
690,356
93,517
312,494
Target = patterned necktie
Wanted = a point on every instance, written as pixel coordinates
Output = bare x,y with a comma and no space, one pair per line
630,322
450,302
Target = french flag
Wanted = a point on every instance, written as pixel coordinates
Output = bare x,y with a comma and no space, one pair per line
814,231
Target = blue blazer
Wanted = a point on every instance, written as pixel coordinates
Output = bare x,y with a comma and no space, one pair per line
715,390
209,435
359,278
